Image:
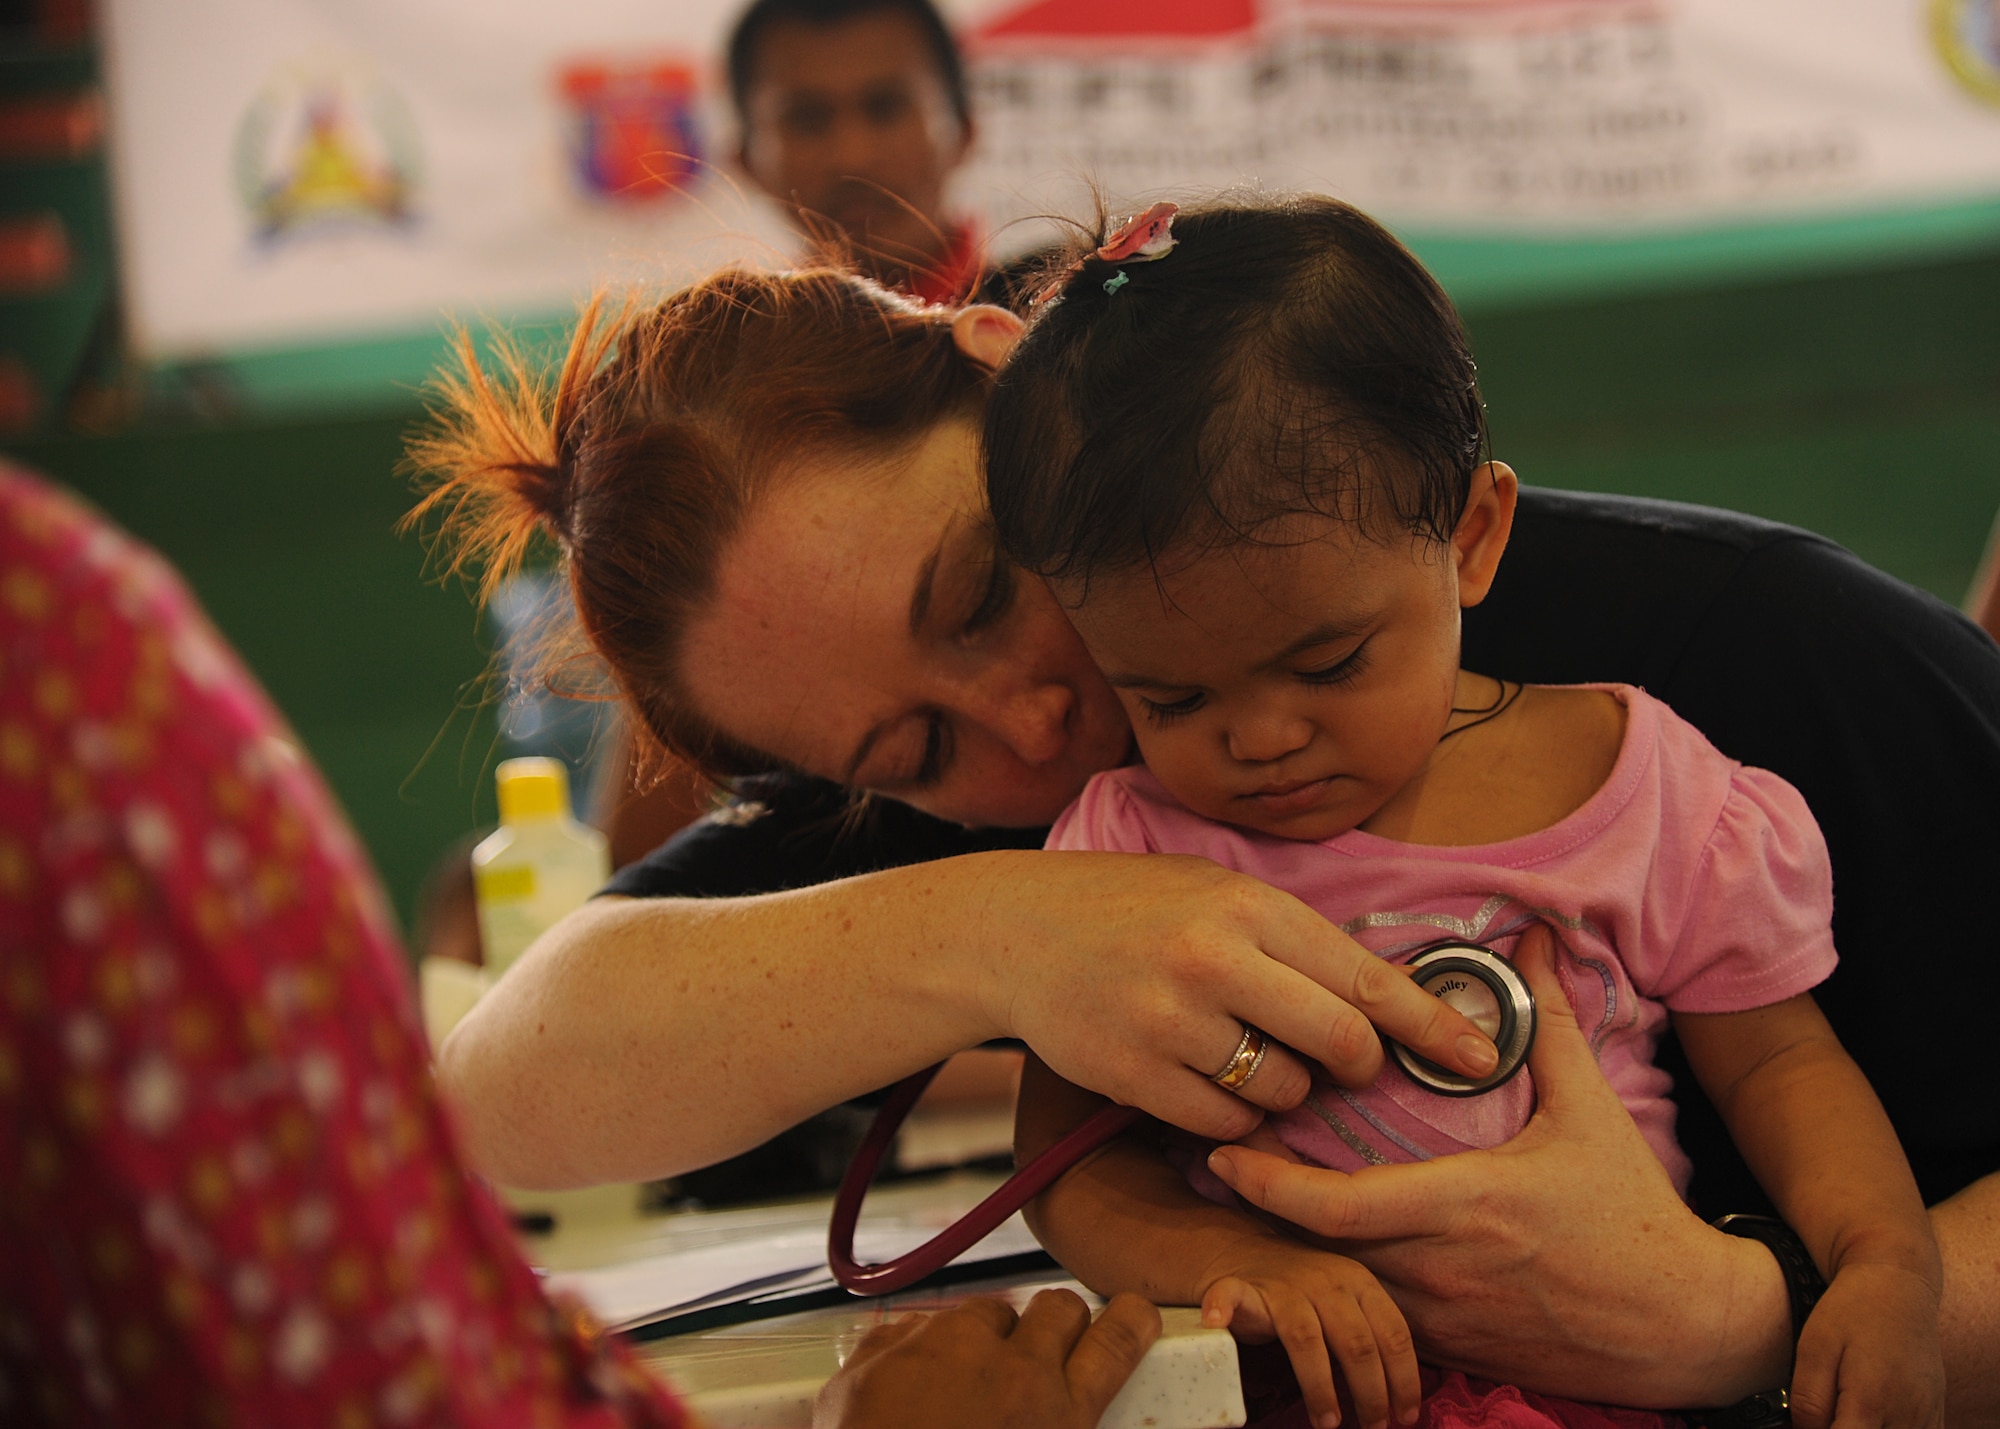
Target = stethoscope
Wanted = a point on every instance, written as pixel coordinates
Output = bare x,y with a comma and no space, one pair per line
1475,980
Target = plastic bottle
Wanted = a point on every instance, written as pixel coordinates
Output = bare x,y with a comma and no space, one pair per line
539,865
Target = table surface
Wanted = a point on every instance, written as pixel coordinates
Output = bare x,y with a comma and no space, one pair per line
764,1374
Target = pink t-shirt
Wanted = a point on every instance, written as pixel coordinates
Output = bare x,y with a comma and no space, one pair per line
1688,882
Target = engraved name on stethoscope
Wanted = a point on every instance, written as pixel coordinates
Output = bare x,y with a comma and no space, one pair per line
1449,969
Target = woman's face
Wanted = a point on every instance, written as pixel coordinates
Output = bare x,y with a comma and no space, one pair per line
864,630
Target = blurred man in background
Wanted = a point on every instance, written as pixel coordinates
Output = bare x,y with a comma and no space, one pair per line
853,115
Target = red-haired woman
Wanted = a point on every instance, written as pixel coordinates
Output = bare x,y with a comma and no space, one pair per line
766,491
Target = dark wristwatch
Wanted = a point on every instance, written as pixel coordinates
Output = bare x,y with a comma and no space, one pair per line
1769,1410
1803,1282
1803,1287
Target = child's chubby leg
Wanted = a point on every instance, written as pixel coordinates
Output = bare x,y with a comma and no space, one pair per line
1124,1219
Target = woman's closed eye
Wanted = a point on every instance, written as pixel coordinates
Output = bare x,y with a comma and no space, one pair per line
915,757
996,597
937,752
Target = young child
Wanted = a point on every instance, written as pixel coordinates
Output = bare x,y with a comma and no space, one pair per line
1244,446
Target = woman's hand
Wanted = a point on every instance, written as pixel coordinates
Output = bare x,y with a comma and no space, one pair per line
980,1366
1313,1302
1134,974
1562,1260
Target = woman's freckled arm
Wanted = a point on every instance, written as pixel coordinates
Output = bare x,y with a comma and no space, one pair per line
619,1080
661,1047
1968,1232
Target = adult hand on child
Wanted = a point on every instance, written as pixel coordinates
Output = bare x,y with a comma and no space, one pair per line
1313,1301
1134,975
981,1366
1869,1357
1562,1260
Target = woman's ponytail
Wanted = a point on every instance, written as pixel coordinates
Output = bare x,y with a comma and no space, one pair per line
496,460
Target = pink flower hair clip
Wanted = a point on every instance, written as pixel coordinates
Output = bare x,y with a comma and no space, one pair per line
1142,238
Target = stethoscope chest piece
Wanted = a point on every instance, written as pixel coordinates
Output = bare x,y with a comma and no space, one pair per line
1484,986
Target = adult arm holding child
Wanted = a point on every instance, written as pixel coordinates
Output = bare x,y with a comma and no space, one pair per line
1639,1295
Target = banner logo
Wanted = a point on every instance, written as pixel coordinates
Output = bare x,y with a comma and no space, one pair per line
633,136
1967,33
326,147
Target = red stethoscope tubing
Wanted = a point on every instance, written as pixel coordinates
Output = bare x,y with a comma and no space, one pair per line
971,1228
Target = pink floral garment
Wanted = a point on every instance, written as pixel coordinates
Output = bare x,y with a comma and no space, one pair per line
227,1192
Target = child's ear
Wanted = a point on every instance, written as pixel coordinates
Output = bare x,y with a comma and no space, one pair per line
1480,538
986,333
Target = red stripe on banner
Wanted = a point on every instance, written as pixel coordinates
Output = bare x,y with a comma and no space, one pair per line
1124,17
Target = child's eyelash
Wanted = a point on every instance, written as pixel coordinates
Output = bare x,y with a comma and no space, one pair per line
1163,715
1341,672
1346,670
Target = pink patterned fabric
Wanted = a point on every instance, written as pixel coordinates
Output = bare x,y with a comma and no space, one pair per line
228,1194
1687,882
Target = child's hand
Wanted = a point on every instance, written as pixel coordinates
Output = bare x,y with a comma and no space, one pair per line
1313,1301
1869,1355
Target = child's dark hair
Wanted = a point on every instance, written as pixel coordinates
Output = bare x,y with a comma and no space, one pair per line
1289,355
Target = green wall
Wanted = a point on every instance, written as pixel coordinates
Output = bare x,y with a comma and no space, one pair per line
286,532
1864,405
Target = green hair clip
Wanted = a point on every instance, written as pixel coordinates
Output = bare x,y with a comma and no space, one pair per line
1116,281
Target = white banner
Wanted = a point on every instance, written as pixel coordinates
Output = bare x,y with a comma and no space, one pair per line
299,171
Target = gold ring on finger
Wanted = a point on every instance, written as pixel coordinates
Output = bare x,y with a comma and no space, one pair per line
1244,1061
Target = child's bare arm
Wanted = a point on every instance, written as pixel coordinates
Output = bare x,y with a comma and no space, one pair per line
1124,1219
1810,1127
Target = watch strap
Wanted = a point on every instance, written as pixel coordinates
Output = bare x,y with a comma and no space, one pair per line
1803,1287
1770,1410
1803,1282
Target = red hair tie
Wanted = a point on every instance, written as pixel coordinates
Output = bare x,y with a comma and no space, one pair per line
1139,239
1143,237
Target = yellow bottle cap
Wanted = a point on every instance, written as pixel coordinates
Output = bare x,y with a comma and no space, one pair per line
534,788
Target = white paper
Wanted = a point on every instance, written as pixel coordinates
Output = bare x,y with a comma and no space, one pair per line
792,1261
